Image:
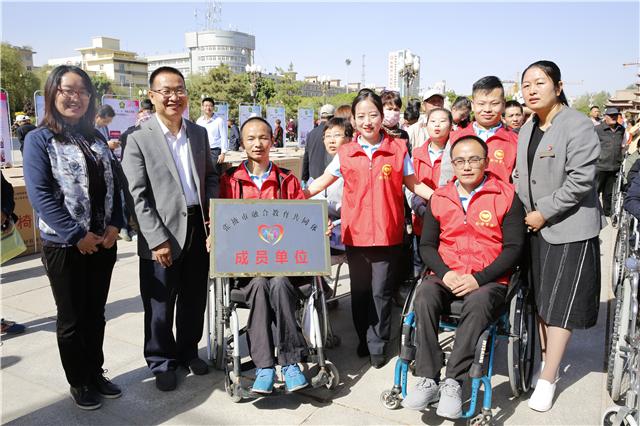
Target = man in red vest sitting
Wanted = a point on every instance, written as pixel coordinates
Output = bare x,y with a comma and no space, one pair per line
272,320
473,236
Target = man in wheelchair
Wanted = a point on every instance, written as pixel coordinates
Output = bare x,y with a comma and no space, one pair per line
272,319
472,237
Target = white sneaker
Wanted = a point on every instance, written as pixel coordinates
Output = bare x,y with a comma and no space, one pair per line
542,398
536,375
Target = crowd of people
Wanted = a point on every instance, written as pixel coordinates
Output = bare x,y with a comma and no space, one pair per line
476,190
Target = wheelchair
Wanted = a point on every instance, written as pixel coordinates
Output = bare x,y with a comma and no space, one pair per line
227,343
516,323
623,370
617,195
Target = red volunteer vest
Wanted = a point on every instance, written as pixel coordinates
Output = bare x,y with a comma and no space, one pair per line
281,184
372,199
472,241
503,147
426,173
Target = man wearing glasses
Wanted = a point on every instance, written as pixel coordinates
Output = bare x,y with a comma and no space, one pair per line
171,177
473,235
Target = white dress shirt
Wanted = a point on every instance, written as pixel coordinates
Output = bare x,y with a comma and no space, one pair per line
179,147
216,130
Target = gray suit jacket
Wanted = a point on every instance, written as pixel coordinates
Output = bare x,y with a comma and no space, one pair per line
155,190
563,177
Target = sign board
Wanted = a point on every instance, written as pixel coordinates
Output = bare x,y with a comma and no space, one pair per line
222,110
6,144
247,111
305,125
126,114
269,238
276,112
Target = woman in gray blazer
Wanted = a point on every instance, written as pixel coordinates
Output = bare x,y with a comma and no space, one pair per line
555,179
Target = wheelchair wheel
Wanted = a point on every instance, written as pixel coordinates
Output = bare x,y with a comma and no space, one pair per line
620,254
390,399
522,336
609,418
616,372
219,341
334,376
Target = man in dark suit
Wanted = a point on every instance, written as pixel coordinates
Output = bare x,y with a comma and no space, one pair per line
171,178
315,158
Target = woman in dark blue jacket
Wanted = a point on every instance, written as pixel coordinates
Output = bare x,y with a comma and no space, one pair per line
72,186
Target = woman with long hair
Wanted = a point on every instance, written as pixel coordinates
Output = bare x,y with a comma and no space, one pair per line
72,185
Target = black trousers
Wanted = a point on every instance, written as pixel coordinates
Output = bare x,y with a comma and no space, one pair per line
215,153
180,288
372,271
80,285
272,321
606,182
479,309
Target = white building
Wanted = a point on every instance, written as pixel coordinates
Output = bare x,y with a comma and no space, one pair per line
104,57
207,50
395,80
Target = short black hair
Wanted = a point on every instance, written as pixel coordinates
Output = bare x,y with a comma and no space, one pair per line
146,105
339,122
593,106
160,70
514,103
487,84
468,138
106,111
461,102
208,99
412,112
262,120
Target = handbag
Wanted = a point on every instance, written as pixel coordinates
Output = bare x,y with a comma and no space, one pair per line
11,244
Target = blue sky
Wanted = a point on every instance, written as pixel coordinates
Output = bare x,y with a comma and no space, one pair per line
458,42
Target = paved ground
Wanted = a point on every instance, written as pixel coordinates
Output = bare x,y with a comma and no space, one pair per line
34,390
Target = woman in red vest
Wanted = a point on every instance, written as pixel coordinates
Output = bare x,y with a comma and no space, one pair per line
374,170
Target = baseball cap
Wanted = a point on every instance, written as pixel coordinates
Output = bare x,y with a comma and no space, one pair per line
611,111
431,92
327,110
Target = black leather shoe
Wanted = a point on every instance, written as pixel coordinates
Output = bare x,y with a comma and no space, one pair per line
198,367
106,388
85,398
166,381
363,350
378,361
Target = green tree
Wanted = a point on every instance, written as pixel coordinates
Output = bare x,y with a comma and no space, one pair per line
221,85
19,82
584,102
287,92
451,96
102,85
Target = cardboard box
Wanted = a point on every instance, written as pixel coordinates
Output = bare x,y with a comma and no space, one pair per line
288,158
26,223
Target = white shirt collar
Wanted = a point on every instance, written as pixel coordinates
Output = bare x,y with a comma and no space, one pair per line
165,129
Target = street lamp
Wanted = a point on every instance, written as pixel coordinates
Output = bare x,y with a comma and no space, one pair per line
410,70
325,82
254,72
142,94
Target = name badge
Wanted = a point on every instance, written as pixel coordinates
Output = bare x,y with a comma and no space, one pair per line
544,154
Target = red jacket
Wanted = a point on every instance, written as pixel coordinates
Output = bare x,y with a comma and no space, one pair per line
427,173
281,184
503,147
372,199
471,241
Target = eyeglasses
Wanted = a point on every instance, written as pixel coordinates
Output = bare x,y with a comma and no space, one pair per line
474,162
334,136
70,93
167,93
